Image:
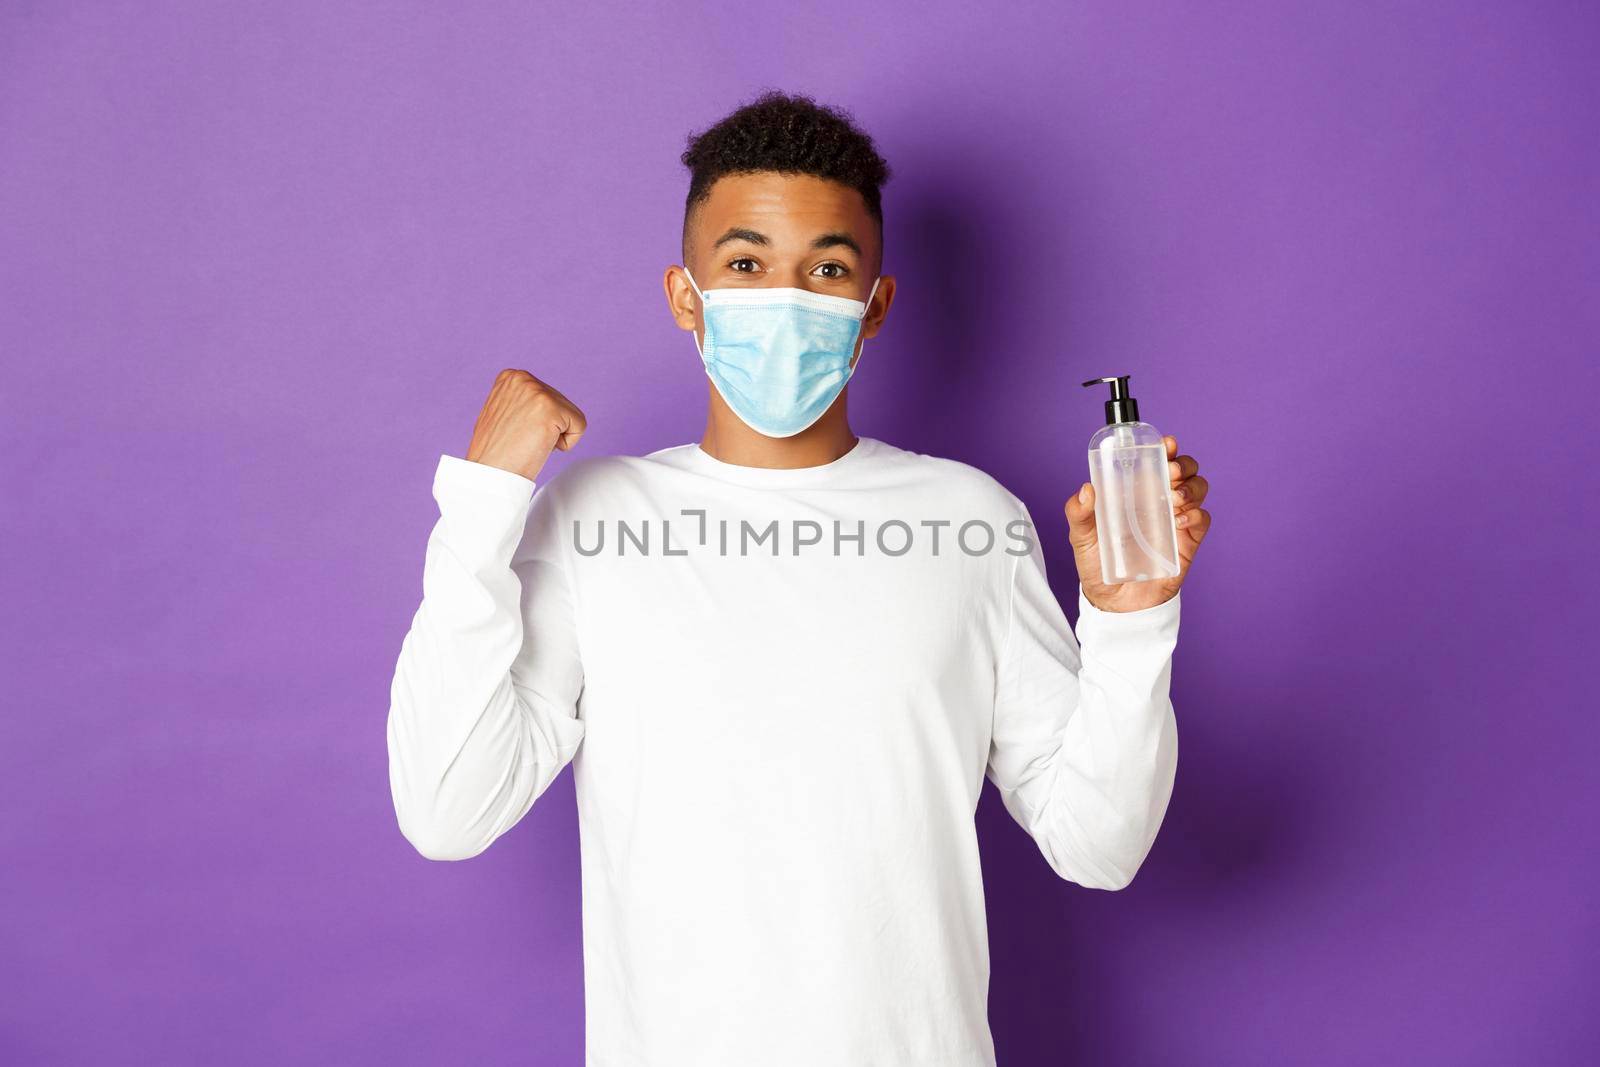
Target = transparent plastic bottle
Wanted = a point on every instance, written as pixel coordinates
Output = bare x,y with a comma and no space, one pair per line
1132,493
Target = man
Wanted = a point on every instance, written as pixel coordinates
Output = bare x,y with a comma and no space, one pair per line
781,660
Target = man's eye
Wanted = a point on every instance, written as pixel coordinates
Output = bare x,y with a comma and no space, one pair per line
839,267
743,259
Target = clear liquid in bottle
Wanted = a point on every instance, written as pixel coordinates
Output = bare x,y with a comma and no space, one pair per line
1133,503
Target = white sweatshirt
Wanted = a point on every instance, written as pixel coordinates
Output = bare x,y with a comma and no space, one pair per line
780,692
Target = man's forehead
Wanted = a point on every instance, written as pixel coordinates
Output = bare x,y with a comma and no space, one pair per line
764,199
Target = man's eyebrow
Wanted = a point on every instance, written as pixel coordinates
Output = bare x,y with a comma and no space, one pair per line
828,240
835,239
738,233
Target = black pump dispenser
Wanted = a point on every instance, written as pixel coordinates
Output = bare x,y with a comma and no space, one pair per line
1121,407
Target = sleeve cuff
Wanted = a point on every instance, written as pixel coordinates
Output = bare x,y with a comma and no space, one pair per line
455,478
1158,622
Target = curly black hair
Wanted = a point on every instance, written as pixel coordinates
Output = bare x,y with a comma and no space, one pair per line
790,133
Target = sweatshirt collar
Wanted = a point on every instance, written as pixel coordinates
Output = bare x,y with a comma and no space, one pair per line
789,477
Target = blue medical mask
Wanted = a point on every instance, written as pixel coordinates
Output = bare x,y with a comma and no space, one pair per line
779,357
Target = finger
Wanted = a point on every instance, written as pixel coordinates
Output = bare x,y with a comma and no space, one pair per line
1080,516
577,422
569,438
1181,468
1193,526
1172,445
1081,531
1190,493
573,424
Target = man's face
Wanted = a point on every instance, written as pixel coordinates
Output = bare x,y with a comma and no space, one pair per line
765,229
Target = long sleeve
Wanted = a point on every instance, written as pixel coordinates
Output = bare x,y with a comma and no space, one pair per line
483,705
1085,745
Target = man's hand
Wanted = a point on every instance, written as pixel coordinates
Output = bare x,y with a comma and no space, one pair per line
521,423
1188,490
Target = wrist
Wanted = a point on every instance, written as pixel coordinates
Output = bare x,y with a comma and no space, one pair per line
508,464
1144,602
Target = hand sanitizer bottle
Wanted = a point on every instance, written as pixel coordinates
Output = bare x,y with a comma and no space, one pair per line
1132,493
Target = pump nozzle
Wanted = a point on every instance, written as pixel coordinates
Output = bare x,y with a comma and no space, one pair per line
1121,407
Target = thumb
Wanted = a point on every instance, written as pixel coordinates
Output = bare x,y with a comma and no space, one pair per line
1081,531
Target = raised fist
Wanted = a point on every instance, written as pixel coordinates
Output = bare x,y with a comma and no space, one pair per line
521,423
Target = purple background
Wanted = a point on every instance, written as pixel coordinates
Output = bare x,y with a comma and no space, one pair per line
260,265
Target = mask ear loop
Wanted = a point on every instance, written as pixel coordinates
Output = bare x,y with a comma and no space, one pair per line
702,297
872,293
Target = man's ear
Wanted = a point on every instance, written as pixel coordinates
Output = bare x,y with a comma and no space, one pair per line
681,299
